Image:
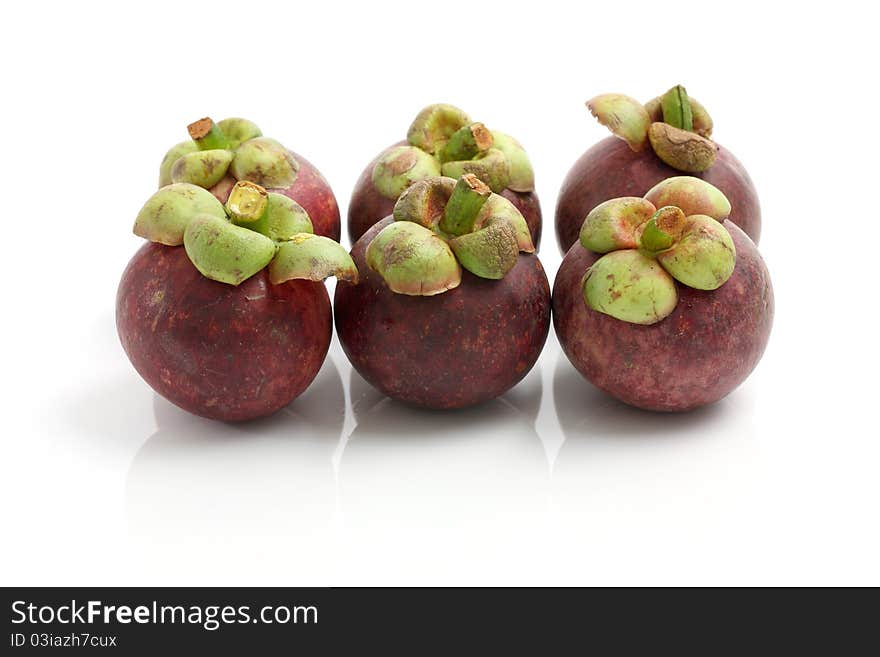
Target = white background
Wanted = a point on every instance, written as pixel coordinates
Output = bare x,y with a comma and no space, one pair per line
103,483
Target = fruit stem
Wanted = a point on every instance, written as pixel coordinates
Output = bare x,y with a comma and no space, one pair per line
207,135
248,205
663,229
465,202
677,110
466,142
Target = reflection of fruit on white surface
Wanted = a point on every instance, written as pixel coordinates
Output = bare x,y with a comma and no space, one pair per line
653,481
409,469
272,477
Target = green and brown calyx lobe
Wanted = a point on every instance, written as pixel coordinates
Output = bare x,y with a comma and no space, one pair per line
442,225
443,140
677,127
255,229
673,234
233,147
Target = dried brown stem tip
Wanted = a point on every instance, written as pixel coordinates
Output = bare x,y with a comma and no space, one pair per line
663,229
466,142
670,220
200,128
482,136
207,135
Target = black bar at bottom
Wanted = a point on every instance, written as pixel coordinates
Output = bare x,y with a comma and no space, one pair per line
244,621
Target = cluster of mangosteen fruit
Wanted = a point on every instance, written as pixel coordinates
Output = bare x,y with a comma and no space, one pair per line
662,299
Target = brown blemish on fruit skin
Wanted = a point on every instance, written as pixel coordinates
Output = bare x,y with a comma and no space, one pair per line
405,161
609,169
367,206
223,352
697,355
310,189
455,349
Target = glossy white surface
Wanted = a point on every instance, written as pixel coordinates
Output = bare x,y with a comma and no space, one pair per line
554,483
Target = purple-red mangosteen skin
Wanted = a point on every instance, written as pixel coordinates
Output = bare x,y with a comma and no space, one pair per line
695,356
611,169
310,189
455,349
224,352
367,206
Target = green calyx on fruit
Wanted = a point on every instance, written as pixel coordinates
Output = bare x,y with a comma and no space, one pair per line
490,166
630,286
286,218
424,202
413,260
202,168
401,167
673,234
256,228
489,252
498,208
444,140
232,149
680,149
174,153
435,125
442,225
522,176
237,131
678,128
624,116
703,123
225,252
166,213
614,224
265,162
692,195
312,257
704,257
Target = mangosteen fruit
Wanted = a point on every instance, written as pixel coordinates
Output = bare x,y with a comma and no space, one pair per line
444,141
664,303
217,155
453,306
669,136
223,311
